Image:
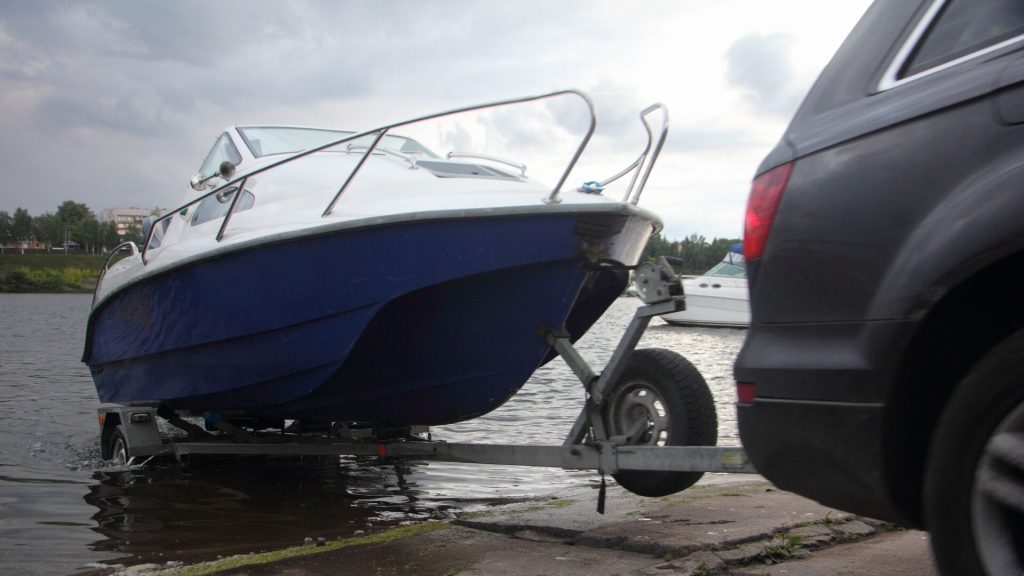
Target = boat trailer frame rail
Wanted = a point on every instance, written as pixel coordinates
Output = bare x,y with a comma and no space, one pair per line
607,460
641,167
587,446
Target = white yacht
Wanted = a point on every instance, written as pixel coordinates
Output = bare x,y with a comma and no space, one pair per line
718,297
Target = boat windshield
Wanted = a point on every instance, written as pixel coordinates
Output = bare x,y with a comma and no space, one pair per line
728,269
733,265
267,140
223,149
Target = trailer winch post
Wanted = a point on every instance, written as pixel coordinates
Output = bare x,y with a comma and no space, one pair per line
591,418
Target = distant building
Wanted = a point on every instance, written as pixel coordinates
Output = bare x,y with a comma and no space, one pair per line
127,218
22,245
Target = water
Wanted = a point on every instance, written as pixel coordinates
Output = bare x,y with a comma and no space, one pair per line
61,509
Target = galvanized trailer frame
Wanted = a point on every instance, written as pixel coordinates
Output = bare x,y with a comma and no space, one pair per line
587,446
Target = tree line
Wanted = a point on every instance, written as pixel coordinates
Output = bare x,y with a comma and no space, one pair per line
73,222
695,253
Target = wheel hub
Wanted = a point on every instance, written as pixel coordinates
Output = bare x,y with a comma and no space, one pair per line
998,498
639,413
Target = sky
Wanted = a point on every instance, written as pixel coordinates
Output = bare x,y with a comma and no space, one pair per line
116,103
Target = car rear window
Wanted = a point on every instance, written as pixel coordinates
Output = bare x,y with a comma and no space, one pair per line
963,27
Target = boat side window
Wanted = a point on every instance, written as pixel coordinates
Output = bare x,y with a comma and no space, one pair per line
157,237
962,28
216,206
223,149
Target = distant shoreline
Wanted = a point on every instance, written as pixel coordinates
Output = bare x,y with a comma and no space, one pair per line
49,273
51,292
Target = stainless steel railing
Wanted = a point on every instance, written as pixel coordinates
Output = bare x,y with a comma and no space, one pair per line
641,167
378,134
638,167
106,263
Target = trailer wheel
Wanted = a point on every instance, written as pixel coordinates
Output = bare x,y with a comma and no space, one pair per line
118,446
660,400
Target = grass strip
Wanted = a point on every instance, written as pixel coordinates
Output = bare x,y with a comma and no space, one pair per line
243,560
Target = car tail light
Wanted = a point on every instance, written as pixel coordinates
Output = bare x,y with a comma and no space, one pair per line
745,392
765,193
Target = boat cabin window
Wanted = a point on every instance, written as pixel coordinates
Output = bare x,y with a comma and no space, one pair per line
267,140
216,206
157,235
223,149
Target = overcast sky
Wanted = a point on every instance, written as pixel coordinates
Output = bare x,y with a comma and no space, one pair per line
115,104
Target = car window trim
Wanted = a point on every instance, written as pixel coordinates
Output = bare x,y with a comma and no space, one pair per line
890,78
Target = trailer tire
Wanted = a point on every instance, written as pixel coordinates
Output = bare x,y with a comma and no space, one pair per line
117,446
660,399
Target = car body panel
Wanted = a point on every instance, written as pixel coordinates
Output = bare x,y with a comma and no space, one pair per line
900,196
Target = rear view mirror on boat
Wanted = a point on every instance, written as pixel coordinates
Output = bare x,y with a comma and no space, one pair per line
226,170
199,183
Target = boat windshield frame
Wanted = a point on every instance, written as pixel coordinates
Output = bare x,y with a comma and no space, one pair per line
293,139
223,149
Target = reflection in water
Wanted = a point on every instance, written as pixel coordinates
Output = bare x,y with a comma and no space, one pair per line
214,506
60,508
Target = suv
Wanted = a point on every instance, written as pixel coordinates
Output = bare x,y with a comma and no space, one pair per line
883,372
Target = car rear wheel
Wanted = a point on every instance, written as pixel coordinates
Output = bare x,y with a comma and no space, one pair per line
974,489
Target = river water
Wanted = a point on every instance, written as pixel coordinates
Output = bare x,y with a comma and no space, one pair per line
62,511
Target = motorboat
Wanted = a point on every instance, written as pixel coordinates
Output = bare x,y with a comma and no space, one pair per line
330,276
718,297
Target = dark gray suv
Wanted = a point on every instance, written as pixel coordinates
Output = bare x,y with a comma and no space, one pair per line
883,372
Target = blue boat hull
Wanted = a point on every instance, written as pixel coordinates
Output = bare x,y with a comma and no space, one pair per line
409,323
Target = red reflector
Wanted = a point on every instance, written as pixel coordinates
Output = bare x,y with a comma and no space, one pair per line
745,392
765,193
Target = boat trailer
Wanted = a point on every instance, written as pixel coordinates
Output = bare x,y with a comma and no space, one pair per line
638,423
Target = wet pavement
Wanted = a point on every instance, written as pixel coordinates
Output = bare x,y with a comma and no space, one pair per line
733,526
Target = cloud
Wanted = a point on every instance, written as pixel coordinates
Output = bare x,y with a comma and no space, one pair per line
761,66
456,138
127,97
145,67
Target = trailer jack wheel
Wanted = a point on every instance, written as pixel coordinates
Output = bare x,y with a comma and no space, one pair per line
660,400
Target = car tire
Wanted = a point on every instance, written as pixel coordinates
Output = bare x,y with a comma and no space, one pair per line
974,488
663,395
